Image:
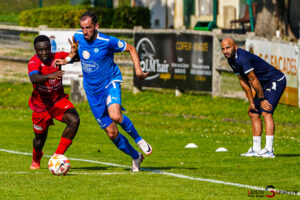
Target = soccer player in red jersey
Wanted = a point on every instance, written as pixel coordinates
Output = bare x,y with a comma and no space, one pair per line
48,99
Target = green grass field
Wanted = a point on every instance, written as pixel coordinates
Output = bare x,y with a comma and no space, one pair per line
168,123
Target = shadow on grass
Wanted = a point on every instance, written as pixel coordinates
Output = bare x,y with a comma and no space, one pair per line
90,168
287,155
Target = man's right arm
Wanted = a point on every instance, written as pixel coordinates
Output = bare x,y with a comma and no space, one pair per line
247,88
37,78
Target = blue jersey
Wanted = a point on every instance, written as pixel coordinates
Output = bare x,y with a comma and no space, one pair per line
97,61
245,62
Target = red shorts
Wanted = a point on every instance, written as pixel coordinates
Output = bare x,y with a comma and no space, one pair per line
42,120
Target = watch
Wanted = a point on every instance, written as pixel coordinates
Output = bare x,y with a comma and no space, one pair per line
262,99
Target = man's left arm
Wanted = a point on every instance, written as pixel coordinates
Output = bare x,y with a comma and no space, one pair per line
264,103
136,61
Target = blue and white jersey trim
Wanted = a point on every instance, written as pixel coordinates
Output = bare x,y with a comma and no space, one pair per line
281,78
249,70
120,81
34,72
102,38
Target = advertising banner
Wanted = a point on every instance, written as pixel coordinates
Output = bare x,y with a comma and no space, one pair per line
284,57
177,61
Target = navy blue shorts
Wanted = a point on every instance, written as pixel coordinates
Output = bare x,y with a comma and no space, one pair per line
99,104
272,92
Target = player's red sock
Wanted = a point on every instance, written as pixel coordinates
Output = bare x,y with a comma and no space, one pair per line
63,145
36,155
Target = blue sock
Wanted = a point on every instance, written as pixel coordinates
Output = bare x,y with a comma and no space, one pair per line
127,126
122,143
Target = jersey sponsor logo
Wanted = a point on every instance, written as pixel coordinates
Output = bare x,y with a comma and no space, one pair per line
96,50
51,81
120,44
86,54
89,66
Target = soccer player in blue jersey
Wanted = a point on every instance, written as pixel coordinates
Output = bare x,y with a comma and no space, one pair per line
268,83
102,78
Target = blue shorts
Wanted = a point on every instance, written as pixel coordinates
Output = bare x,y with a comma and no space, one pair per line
99,103
272,92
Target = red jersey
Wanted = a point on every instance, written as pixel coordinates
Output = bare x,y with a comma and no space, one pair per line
45,94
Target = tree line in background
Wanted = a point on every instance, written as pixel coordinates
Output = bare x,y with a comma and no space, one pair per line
69,16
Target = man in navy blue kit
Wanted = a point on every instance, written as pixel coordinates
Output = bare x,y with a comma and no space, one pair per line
102,83
268,83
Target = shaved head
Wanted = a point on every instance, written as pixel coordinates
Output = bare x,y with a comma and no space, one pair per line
229,39
229,47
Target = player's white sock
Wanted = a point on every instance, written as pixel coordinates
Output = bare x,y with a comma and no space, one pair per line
269,142
257,143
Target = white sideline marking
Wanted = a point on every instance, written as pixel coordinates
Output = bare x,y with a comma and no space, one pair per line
164,173
80,173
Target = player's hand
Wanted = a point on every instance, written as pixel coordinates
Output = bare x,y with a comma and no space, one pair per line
266,105
252,107
61,62
56,75
142,75
74,45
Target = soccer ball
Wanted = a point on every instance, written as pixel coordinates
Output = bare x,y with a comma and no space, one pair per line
59,164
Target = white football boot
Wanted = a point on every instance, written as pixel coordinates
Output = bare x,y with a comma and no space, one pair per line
145,147
137,162
265,153
250,153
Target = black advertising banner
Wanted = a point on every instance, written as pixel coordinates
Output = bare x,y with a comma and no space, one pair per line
182,61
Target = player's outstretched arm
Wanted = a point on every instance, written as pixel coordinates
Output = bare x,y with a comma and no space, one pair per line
136,62
38,78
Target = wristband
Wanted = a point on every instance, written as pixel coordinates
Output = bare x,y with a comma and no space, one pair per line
68,58
262,99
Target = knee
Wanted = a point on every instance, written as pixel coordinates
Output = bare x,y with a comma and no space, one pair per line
116,117
267,115
74,121
253,116
38,142
112,133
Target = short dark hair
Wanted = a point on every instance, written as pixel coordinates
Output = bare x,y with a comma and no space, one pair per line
41,38
91,15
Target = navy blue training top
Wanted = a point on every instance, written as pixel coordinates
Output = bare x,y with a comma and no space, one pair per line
245,62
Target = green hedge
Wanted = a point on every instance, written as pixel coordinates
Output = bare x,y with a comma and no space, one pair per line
69,16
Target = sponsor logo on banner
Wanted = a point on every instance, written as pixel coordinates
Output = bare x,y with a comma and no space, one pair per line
89,66
148,62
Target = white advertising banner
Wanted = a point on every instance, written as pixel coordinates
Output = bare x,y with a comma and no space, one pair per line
284,57
59,42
